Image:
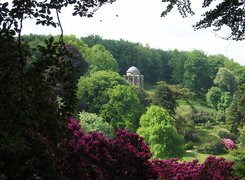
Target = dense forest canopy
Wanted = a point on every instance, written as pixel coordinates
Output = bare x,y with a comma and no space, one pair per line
169,66
172,66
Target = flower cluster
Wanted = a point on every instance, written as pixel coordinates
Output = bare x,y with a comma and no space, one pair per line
212,168
93,156
172,169
228,143
216,168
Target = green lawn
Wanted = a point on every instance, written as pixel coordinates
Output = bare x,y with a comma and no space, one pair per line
149,87
191,155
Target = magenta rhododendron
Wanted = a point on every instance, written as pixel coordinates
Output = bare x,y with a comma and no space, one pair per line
93,156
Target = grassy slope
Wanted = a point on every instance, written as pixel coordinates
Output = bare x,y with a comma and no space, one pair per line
149,87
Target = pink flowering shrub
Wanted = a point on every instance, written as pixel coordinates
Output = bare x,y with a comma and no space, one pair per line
228,143
93,156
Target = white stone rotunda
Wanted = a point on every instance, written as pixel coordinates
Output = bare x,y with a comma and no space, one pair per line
133,76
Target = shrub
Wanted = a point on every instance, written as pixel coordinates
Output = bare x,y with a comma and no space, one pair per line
216,168
220,117
213,147
189,145
208,125
239,152
92,122
213,168
239,169
93,156
239,165
229,144
224,133
172,169
190,136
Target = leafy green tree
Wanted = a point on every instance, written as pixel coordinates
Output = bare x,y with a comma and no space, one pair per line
176,63
237,70
224,101
78,43
235,116
225,80
110,96
196,72
143,96
150,62
157,127
214,63
100,59
92,90
184,118
92,122
241,138
240,74
164,97
181,92
227,13
123,109
213,97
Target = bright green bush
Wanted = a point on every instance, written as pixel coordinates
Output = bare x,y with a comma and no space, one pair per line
157,127
92,122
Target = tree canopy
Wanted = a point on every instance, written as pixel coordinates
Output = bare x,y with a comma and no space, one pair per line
226,80
229,13
164,97
235,116
196,72
101,59
123,109
92,90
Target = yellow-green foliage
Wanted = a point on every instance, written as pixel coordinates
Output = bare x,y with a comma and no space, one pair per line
157,127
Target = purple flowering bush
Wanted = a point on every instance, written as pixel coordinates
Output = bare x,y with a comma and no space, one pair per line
216,168
127,156
93,156
228,143
212,168
172,169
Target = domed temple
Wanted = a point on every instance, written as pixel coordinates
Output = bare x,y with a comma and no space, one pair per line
133,76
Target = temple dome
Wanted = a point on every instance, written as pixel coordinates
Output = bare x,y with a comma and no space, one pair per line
133,71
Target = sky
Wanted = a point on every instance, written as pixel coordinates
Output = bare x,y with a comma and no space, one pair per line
140,21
